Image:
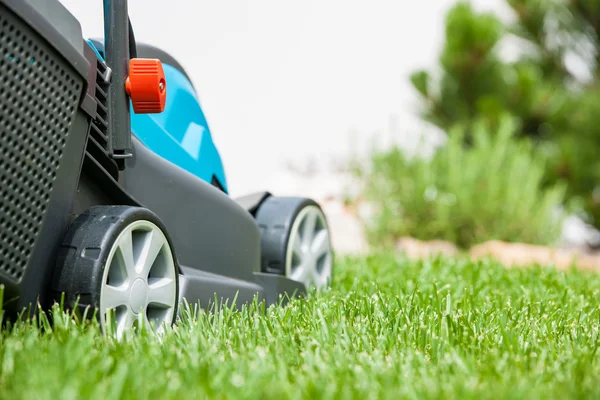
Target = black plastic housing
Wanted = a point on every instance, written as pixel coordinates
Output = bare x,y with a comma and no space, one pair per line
43,130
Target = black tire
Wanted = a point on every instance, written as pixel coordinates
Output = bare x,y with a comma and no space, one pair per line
82,257
276,217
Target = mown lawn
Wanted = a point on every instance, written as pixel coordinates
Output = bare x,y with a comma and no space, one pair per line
389,329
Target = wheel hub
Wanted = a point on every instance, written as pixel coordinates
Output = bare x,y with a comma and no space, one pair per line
140,281
309,249
138,296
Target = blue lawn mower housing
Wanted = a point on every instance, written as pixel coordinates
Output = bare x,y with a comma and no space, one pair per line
181,133
113,197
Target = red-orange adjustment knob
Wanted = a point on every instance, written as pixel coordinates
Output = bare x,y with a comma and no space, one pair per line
146,86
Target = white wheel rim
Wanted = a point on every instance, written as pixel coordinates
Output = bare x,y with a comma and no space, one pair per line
309,255
139,284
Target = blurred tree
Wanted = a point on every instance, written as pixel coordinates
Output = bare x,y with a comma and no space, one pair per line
551,87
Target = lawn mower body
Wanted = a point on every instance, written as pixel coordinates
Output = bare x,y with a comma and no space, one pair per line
62,152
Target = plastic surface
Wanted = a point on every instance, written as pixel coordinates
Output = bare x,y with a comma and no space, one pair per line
41,152
200,287
145,50
52,21
146,86
275,218
252,202
82,256
180,133
98,89
210,230
278,289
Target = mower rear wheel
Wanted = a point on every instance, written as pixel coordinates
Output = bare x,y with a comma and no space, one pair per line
120,262
295,240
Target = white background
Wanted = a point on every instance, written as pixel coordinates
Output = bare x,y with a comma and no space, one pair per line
287,80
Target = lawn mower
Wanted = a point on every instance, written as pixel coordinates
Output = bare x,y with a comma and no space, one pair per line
113,196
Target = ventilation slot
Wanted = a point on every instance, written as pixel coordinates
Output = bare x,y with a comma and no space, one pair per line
98,141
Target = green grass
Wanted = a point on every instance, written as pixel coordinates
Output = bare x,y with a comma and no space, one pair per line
389,329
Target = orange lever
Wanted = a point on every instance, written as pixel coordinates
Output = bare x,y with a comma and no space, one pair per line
146,86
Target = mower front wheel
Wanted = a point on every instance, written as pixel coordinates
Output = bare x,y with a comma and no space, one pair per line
120,262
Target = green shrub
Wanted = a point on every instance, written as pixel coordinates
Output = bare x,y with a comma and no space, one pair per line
491,190
550,84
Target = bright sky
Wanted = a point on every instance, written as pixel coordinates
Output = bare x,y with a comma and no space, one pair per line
284,80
